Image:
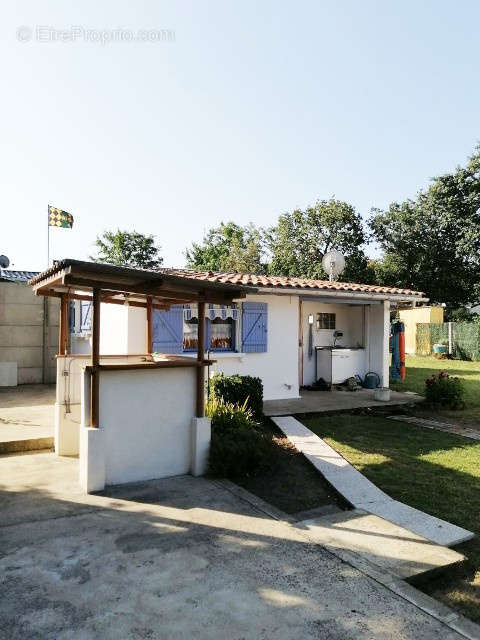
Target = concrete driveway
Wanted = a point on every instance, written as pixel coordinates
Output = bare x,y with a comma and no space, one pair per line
174,559
26,415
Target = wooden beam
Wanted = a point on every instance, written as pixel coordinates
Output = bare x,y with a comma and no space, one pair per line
152,365
182,294
50,293
149,325
95,360
133,303
114,287
55,278
200,361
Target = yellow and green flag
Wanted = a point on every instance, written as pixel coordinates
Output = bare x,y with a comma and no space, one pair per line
59,218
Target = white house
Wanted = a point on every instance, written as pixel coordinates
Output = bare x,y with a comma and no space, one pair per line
275,333
132,417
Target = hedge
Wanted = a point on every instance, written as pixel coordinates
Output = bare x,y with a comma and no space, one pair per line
239,390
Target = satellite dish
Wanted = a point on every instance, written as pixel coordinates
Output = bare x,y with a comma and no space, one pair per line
4,262
334,263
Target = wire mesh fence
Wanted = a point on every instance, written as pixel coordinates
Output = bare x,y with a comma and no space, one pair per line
463,339
466,340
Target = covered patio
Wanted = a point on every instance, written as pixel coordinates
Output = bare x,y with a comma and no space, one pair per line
131,416
336,401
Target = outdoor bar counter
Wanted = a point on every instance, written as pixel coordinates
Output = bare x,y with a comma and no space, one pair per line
135,417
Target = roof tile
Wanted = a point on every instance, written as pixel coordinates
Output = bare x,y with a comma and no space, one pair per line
284,282
16,276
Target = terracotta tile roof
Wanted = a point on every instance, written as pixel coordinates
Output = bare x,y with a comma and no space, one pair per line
282,282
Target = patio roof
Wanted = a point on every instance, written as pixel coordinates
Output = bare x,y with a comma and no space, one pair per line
138,287
105,283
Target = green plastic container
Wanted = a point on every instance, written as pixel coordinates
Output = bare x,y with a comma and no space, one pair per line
371,380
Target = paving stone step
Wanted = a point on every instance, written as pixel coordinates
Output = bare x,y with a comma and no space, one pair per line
385,544
32,444
448,427
363,494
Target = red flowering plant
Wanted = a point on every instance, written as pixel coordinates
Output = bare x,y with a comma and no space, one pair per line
444,390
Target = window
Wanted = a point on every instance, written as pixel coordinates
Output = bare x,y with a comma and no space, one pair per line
326,320
190,334
176,330
220,329
80,317
221,335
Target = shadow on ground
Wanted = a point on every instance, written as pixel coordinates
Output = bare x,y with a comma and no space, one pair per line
176,558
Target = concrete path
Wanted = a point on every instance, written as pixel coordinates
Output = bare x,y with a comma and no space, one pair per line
362,493
335,402
180,558
386,545
26,417
456,429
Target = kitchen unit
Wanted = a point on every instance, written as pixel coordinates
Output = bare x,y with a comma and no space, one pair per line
336,364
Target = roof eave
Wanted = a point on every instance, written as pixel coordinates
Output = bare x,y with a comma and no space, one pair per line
81,275
328,293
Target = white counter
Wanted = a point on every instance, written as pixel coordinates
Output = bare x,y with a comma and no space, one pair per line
336,365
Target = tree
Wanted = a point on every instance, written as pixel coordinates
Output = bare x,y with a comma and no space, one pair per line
128,249
229,247
300,239
432,243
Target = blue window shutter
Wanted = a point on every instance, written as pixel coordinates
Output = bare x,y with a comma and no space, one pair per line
254,327
168,330
85,315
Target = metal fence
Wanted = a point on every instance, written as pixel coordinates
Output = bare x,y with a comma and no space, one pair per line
462,338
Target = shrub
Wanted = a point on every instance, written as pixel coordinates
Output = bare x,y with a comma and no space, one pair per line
238,390
236,454
238,448
444,390
226,416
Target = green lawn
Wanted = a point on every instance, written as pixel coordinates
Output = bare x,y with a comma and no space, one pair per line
436,472
420,368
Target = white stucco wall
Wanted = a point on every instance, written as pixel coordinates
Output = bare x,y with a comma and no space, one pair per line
123,330
378,334
278,366
68,399
67,404
137,330
113,329
146,418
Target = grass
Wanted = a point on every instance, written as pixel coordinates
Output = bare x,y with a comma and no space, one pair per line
420,368
436,472
291,484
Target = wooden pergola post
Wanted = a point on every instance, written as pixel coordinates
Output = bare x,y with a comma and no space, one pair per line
95,361
200,361
63,328
149,325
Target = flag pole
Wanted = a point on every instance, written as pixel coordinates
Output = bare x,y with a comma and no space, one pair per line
48,236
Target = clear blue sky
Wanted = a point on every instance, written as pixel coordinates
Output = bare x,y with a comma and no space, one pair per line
255,109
